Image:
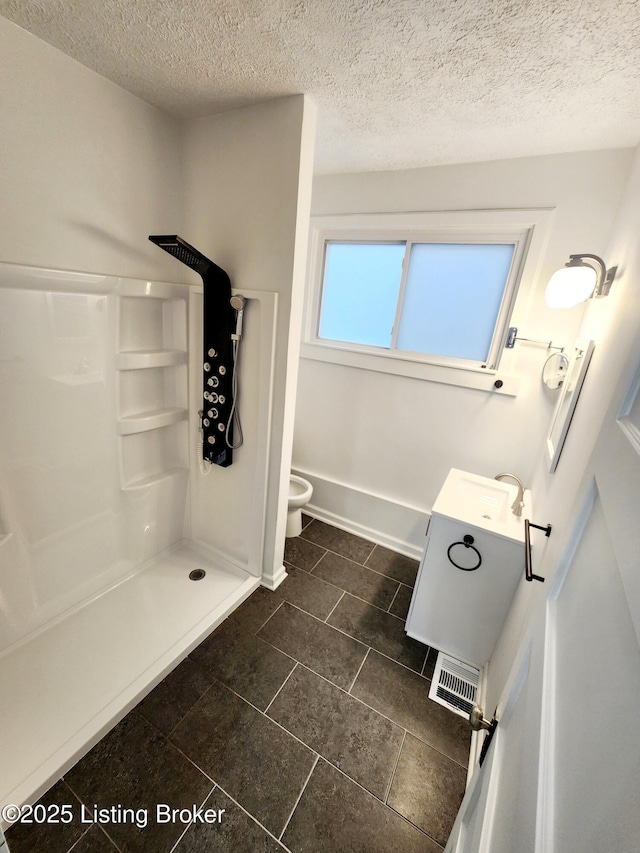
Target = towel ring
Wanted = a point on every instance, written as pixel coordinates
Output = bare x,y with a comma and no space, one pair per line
467,542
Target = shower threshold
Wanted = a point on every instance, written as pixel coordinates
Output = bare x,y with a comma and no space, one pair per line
66,685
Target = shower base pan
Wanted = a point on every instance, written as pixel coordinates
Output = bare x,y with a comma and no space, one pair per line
66,685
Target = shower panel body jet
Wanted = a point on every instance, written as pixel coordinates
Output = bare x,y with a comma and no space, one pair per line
218,324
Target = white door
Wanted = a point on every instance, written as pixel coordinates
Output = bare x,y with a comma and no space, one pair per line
562,774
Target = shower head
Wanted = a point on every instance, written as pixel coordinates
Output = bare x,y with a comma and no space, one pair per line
218,348
237,303
181,250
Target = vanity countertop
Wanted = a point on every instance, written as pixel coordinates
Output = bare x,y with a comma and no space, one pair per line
482,502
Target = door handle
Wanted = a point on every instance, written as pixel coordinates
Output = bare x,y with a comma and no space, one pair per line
478,723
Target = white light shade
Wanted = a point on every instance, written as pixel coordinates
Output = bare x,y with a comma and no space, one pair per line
570,286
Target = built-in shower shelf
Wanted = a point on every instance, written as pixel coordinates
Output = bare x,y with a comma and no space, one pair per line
145,421
154,479
140,359
151,387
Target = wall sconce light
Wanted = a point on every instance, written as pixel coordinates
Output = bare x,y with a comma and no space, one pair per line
584,276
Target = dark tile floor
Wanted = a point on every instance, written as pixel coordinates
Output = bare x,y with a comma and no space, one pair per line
302,723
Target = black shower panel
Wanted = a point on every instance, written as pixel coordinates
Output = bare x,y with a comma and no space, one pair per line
218,325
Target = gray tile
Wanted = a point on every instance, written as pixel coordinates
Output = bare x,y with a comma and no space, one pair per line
167,704
261,766
255,610
236,832
308,592
244,662
301,553
427,788
135,766
430,663
306,519
377,629
343,543
95,841
394,565
403,696
401,602
54,838
334,814
315,644
362,743
354,578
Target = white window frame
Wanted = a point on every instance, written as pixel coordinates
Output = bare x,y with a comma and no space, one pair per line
524,228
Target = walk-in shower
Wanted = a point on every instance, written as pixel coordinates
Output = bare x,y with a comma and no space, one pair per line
103,512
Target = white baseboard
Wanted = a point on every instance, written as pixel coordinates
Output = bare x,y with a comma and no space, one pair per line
379,519
274,581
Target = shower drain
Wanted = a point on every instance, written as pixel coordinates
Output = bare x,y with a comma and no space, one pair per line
197,574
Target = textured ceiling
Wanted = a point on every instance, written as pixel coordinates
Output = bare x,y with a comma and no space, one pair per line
398,83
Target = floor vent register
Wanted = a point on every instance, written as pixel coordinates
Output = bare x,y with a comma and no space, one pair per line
454,685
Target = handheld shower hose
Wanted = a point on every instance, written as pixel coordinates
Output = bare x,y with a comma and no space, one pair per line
238,304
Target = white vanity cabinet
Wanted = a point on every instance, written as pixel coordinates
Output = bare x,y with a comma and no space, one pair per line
465,586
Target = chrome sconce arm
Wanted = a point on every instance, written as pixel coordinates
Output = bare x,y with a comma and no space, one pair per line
605,276
583,277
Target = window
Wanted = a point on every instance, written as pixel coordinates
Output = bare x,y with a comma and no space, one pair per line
360,292
426,295
438,299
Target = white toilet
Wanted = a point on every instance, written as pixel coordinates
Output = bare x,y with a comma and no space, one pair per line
300,492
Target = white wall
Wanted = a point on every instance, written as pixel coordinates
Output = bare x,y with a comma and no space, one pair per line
613,323
87,172
378,447
248,189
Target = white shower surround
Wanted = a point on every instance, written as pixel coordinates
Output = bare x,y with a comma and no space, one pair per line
95,601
